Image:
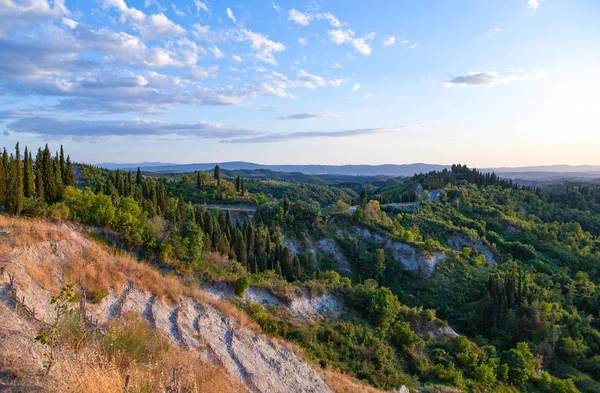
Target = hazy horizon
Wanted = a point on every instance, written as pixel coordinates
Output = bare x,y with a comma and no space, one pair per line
501,84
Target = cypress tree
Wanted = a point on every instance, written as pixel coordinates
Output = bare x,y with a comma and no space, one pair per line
237,183
28,178
63,166
48,176
242,186
138,177
217,175
3,176
364,197
14,191
71,181
128,182
39,179
198,180
58,183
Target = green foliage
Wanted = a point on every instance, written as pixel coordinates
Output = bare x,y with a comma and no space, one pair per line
49,336
97,295
241,285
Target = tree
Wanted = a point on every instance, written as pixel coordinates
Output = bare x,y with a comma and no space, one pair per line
139,179
39,176
63,166
364,198
198,180
28,177
14,200
4,171
48,176
237,183
50,335
58,183
217,175
379,264
243,189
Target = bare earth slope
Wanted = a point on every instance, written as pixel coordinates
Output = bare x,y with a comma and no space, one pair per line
42,257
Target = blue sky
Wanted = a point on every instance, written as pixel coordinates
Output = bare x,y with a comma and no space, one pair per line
481,82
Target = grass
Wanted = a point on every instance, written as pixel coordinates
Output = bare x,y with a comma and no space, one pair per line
342,383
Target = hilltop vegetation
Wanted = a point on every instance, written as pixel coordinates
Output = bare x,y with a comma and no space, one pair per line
514,270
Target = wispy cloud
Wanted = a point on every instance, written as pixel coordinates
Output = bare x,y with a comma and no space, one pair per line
200,6
490,79
280,137
299,17
308,116
534,4
230,15
341,36
155,26
57,128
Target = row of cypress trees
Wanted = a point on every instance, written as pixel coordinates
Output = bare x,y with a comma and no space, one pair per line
43,179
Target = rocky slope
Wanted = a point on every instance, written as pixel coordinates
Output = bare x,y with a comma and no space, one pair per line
39,261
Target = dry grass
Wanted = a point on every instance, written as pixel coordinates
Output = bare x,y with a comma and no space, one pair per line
131,348
342,383
26,231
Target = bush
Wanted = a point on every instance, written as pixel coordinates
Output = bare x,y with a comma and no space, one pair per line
97,295
241,285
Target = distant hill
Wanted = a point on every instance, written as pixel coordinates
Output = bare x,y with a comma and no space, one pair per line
350,170
549,172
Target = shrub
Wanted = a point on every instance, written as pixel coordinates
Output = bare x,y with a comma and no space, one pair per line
97,295
241,285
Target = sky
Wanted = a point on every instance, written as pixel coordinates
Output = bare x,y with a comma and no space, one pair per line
480,82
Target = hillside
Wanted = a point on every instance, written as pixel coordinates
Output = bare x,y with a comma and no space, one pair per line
452,280
226,349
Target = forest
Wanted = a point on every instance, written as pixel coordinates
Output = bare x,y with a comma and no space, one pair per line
513,270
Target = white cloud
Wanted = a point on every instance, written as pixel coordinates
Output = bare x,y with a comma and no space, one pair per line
361,46
177,10
533,4
299,17
260,69
155,26
15,13
313,81
389,40
276,7
356,87
367,96
490,79
336,65
262,46
340,36
69,22
230,15
236,58
302,41
200,6
217,53
333,21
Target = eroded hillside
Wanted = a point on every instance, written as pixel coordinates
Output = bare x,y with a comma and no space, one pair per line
39,258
